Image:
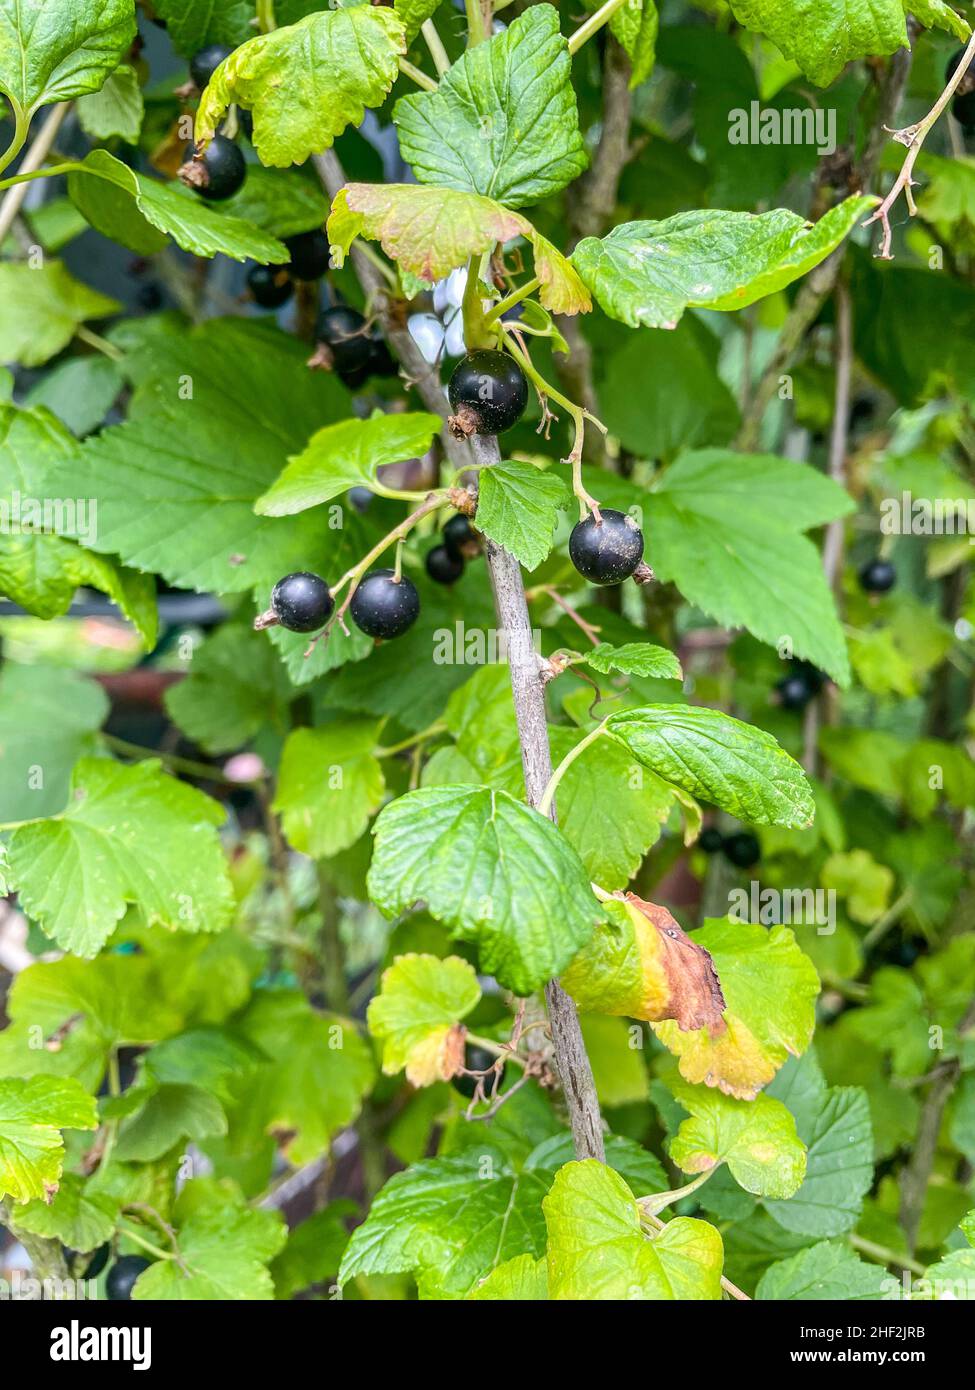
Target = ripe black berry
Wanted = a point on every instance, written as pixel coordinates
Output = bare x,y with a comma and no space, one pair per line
488,393
606,551
344,333
963,102
878,576
443,567
218,173
383,606
301,602
742,849
475,1059
205,63
794,691
459,536
360,497
381,360
97,1261
309,254
122,1275
711,839
269,285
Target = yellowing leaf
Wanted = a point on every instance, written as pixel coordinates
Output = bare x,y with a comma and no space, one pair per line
416,1015
307,81
430,231
32,1115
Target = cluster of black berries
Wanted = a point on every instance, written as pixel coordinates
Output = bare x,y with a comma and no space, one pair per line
741,849
795,690
963,102
382,604
458,542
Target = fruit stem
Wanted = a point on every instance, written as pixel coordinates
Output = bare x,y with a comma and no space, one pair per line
593,24
398,563
587,628
435,44
411,742
147,1245
578,413
419,77
476,333
21,124
498,1049
99,343
548,796
515,297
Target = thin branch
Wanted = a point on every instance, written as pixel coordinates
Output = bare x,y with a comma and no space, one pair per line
593,24
914,136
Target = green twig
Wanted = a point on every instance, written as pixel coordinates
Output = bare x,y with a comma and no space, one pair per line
594,23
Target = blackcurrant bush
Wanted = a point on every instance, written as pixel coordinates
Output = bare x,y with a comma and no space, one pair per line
218,173
606,551
205,63
742,849
711,839
459,536
344,333
269,286
301,602
488,393
878,576
384,606
794,691
122,1276
309,254
443,566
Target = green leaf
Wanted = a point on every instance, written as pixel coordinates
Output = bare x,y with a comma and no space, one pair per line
234,687
223,1256
192,26
498,873
834,1124
416,1016
634,26
283,202
174,497
314,1250
129,835
346,455
170,1115
329,784
824,37
520,1280
47,718
650,272
414,13
610,807
824,1271
756,1138
503,120
80,392
937,14
615,1051
635,658
52,53
318,1072
32,1116
306,82
116,110
725,570
716,758
597,1249
133,209
430,231
770,988
42,308
77,1216
518,506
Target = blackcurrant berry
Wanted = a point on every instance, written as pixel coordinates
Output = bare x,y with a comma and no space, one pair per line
459,536
443,567
488,393
381,360
269,286
301,602
383,606
122,1276
742,849
97,1261
205,63
951,67
606,551
476,1059
354,379
344,333
711,839
963,109
360,497
878,576
309,254
218,173
794,691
